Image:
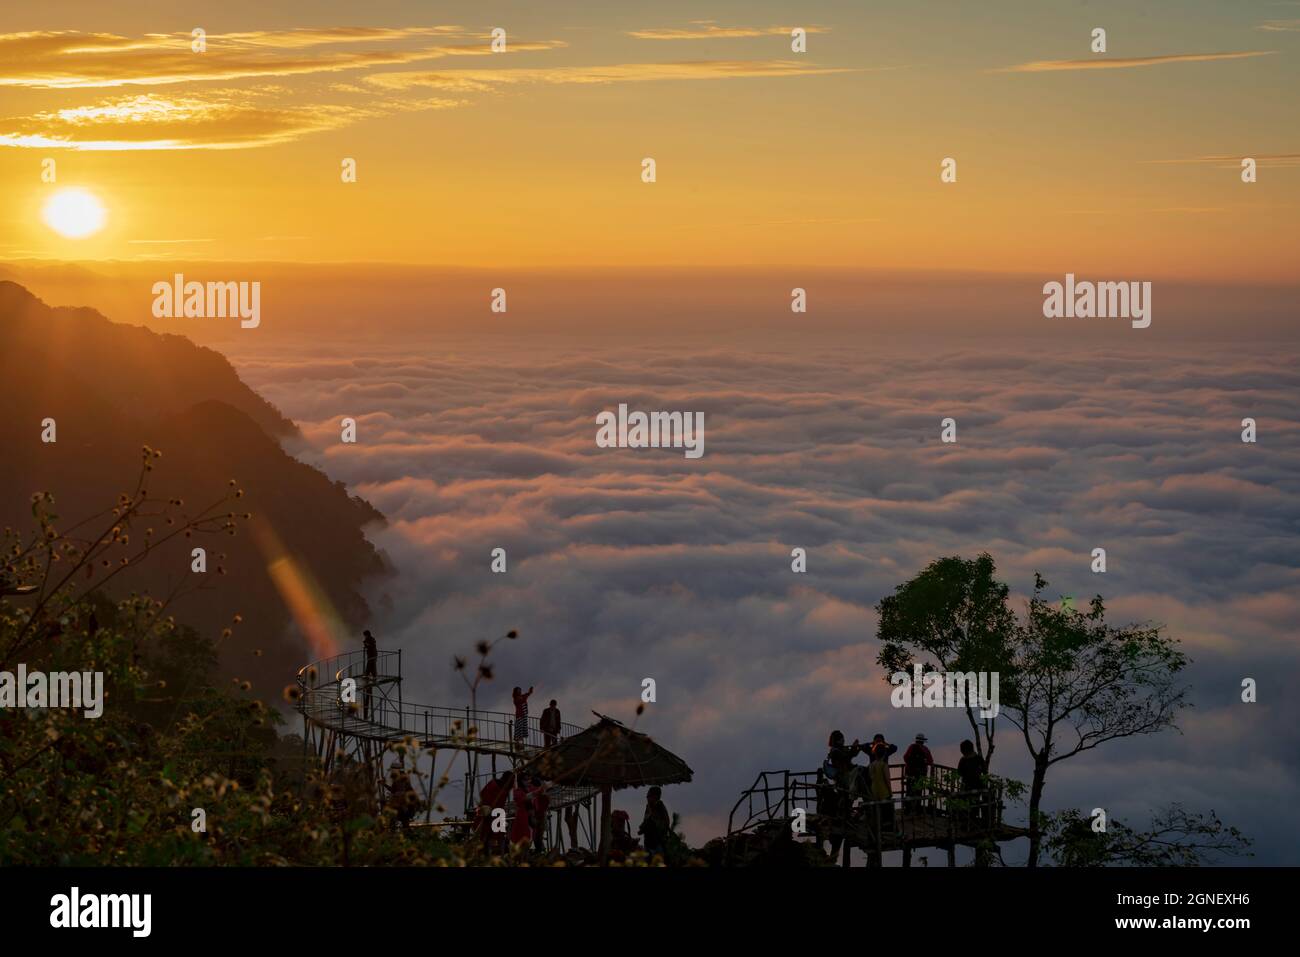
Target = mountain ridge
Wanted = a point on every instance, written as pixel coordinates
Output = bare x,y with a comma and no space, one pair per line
112,388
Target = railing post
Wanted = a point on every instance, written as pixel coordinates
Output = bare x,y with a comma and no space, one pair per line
952,844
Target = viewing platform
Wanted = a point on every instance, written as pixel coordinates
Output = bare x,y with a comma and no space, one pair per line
939,814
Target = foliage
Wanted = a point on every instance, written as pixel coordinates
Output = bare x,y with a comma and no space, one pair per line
953,616
1176,837
122,788
1068,680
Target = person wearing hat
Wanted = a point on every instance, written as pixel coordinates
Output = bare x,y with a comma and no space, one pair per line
917,762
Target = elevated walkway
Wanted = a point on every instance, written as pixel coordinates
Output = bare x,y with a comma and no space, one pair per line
379,713
361,729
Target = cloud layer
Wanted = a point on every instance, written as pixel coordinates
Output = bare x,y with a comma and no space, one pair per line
626,564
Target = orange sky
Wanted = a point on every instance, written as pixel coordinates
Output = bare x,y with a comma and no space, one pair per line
532,157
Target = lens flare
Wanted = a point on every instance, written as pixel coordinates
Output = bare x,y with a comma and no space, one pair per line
312,612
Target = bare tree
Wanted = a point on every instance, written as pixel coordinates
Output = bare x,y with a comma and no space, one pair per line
1176,837
1077,682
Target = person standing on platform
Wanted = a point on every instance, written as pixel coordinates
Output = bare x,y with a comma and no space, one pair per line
521,715
372,668
550,725
882,789
917,762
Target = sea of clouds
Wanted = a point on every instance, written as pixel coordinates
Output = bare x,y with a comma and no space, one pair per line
634,563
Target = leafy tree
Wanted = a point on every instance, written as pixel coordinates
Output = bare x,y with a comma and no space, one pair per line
953,616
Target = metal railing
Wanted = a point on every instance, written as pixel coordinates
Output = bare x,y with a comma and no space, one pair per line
775,796
377,715
558,796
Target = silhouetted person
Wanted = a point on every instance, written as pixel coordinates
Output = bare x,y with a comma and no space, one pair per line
402,794
621,841
571,824
881,788
550,724
521,713
656,825
836,799
372,667
917,762
971,771
494,795
839,760
521,828
538,793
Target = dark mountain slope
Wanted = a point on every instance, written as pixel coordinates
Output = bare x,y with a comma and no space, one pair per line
113,389
150,374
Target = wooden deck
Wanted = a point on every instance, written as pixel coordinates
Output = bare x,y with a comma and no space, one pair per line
917,830
937,813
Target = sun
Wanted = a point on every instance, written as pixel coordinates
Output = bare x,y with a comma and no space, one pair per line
75,213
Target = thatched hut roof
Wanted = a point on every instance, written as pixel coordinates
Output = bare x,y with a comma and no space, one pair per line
609,755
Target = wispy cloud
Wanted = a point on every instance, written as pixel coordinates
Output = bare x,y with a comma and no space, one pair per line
1280,26
243,115
483,80
1155,209
709,30
238,118
1123,63
70,59
217,119
1274,160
